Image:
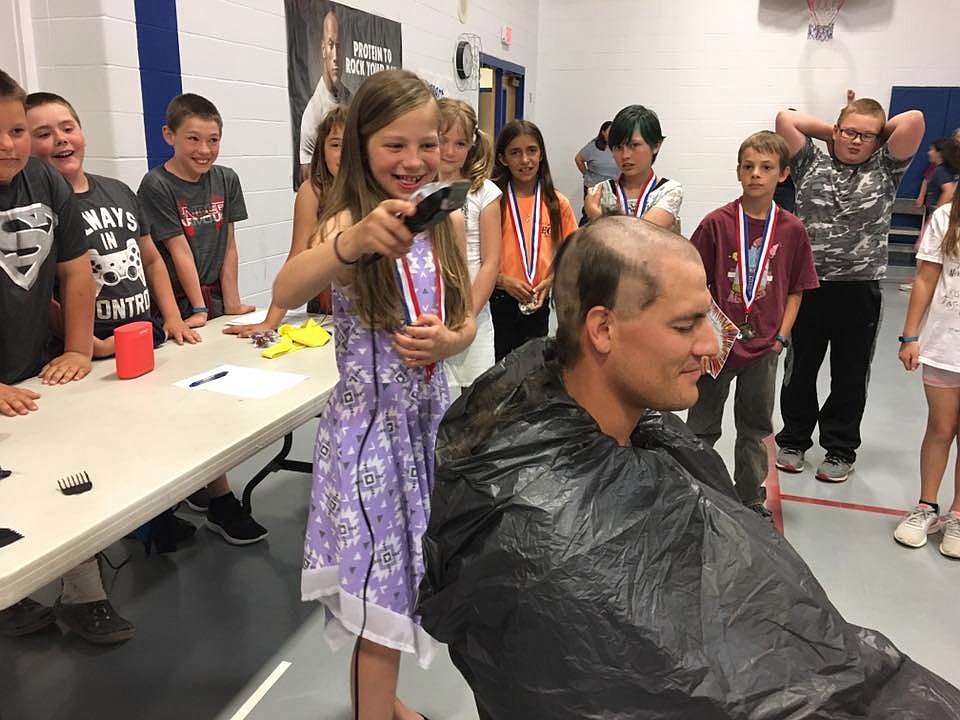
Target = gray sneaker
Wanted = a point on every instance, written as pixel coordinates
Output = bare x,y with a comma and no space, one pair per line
790,460
834,469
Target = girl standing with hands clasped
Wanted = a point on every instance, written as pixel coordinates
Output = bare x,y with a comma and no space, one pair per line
929,340
535,218
324,166
466,153
635,139
401,306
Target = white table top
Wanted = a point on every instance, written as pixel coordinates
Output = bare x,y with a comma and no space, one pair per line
144,443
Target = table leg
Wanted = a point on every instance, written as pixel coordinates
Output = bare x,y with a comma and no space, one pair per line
279,462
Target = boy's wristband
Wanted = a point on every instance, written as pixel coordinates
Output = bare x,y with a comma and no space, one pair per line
198,310
909,338
782,340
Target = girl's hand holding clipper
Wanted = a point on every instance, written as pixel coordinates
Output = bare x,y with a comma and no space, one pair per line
382,232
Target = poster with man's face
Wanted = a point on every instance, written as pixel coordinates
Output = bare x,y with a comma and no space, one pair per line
331,50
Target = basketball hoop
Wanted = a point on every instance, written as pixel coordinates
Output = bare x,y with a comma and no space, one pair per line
823,14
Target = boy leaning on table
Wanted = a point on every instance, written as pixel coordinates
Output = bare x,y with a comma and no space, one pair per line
191,205
42,243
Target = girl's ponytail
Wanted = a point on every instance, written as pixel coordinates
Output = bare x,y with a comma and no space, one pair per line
479,163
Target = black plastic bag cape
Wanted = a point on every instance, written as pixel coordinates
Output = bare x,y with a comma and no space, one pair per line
573,578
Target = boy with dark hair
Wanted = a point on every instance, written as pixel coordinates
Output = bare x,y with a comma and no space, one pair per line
845,199
191,206
42,244
758,261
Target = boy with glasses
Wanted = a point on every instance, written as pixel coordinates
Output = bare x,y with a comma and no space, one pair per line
845,198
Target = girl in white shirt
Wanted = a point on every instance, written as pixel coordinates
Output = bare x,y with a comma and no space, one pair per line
466,153
931,339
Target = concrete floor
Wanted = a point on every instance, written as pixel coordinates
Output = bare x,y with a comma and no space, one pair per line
216,623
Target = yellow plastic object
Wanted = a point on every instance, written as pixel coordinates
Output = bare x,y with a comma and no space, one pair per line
293,338
310,334
281,347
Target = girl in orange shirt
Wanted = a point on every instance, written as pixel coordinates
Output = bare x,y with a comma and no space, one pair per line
535,218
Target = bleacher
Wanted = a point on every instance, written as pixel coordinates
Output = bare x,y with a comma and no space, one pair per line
904,231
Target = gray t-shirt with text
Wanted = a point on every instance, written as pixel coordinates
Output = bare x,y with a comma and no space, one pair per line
200,211
846,210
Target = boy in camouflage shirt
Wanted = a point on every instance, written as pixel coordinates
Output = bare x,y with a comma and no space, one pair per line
845,198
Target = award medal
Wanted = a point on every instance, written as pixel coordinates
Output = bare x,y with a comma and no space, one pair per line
530,257
750,279
642,200
412,309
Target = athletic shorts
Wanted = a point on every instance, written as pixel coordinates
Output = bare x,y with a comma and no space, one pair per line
940,378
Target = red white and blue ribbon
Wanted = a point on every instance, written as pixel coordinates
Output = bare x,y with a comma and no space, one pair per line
529,256
412,309
643,198
750,281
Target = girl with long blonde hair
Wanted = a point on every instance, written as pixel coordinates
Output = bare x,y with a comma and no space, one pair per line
466,153
401,306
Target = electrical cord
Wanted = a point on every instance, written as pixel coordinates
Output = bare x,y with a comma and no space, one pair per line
366,519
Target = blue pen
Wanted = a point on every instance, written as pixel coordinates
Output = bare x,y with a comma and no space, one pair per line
215,376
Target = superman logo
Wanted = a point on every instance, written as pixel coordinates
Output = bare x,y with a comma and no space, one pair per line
26,238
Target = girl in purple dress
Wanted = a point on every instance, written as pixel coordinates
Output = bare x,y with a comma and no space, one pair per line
401,305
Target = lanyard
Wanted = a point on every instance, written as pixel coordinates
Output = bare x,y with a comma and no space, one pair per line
408,291
642,200
750,281
531,257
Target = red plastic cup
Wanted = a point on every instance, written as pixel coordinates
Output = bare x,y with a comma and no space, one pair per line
133,347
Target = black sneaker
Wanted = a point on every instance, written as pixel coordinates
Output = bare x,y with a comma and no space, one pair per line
96,622
227,518
760,509
24,618
183,530
199,501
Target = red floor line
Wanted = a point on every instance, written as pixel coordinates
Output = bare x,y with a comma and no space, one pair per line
838,504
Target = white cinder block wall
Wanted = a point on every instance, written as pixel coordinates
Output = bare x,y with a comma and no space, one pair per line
717,70
234,52
714,71
86,51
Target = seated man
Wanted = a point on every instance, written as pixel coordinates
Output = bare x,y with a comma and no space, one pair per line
587,556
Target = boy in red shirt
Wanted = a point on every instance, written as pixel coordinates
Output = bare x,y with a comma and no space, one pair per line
758,261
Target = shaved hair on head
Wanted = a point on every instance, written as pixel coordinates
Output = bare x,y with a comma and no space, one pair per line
612,262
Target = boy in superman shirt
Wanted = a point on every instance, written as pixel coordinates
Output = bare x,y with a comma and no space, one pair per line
758,262
191,206
42,244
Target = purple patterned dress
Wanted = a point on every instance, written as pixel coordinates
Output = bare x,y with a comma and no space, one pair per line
392,462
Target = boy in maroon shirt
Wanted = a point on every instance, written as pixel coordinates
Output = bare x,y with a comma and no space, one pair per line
758,261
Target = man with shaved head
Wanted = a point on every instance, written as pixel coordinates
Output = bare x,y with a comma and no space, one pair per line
632,305
587,556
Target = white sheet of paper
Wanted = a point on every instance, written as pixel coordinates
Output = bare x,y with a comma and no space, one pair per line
244,382
294,317
254,318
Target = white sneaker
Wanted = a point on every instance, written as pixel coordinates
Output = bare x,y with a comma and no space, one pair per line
914,528
950,544
906,287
